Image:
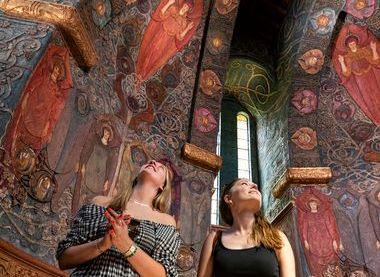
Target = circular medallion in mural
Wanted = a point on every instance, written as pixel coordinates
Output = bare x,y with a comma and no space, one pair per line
217,43
305,101
186,258
305,138
210,82
83,105
204,120
42,185
101,12
361,8
312,61
323,21
25,161
124,61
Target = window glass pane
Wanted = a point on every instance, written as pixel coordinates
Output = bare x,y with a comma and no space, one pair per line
243,164
242,118
215,196
242,144
244,174
243,154
242,134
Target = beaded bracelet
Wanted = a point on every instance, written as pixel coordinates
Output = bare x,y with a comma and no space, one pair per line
131,251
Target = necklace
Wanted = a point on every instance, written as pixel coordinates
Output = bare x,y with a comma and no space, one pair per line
142,204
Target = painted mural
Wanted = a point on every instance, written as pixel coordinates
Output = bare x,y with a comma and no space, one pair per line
356,60
318,230
88,130
79,133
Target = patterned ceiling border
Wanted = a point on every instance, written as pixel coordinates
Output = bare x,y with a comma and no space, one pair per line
66,18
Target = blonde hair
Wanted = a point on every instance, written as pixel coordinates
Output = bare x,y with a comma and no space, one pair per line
161,202
263,233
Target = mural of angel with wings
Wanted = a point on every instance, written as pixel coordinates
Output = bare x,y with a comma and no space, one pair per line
356,60
171,27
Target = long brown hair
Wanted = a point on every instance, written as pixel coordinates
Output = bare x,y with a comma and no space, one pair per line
161,202
263,233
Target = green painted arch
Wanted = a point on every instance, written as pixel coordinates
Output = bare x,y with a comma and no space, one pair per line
253,86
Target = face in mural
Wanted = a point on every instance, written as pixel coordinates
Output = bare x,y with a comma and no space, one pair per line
57,71
106,137
313,205
100,8
352,43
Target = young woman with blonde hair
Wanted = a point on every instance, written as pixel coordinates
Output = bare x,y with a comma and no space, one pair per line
130,234
251,246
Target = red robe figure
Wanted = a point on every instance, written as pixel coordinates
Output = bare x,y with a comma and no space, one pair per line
357,62
171,27
318,230
42,102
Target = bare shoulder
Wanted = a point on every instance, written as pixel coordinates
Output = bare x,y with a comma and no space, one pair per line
284,238
166,219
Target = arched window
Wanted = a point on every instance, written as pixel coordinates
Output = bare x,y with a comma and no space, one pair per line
236,143
216,192
243,146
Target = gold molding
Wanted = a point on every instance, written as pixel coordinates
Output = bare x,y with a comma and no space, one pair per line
303,176
66,18
201,157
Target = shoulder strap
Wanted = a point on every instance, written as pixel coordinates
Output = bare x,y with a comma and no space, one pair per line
216,238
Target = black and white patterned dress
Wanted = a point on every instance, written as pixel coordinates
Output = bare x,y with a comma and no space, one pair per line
160,241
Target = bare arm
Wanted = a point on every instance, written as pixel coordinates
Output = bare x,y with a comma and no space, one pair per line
286,258
205,267
79,254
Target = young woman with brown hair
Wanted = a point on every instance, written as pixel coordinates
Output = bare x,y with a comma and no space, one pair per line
251,246
130,234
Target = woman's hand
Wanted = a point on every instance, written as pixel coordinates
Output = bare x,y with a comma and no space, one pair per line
119,233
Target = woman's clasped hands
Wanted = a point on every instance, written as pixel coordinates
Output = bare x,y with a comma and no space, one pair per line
117,232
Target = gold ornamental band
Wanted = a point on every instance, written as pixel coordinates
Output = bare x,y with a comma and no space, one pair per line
67,20
302,176
201,157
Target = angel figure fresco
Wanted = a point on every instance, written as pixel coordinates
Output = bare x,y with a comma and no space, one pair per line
171,27
97,161
318,231
356,60
42,102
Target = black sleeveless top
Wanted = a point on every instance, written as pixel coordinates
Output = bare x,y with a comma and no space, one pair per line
256,261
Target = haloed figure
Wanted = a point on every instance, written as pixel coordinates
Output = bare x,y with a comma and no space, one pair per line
251,246
140,239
